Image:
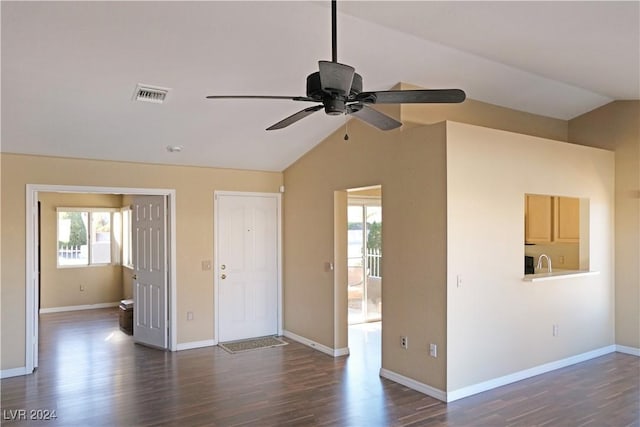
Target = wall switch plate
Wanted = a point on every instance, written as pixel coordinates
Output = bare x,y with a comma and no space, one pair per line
556,330
206,265
189,315
433,350
404,342
459,280
81,288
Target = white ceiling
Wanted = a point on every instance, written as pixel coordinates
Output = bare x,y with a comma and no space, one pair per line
69,69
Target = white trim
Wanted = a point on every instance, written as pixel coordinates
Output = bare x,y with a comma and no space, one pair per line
31,261
628,350
15,372
196,344
216,263
79,307
527,373
317,346
413,384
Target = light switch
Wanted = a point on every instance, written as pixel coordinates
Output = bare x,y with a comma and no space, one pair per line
206,265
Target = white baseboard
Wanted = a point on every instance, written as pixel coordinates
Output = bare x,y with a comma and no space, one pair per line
15,372
628,350
195,344
323,348
413,384
79,307
527,373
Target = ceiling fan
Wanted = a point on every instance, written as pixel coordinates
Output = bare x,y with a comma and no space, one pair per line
338,89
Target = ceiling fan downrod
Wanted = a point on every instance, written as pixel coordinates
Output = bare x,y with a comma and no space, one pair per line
334,31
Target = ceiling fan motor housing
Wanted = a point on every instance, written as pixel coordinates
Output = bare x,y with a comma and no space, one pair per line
334,104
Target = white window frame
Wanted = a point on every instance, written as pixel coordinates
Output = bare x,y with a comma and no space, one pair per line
89,237
126,249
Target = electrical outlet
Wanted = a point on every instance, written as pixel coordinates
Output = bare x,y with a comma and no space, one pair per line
556,330
561,259
404,342
189,315
433,350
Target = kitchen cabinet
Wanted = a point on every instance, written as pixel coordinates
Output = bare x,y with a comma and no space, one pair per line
566,221
552,219
538,219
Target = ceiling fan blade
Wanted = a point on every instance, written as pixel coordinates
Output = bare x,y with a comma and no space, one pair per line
335,77
373,117
292,98
423,96
295,117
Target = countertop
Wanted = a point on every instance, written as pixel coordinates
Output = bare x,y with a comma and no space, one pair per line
558,274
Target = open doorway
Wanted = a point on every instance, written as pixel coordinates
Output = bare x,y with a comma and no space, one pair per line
34,255
364,256
364,275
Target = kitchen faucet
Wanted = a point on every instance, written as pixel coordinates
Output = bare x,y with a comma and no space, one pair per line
548,262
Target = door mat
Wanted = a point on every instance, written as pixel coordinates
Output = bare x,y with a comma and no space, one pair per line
252,344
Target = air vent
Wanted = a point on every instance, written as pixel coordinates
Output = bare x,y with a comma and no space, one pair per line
147,93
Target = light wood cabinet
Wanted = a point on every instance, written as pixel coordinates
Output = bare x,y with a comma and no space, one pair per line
551,219
566,221
538,219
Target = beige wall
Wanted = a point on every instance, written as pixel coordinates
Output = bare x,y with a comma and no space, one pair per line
194,230
497,324
61,286
409,165
483,114
616,126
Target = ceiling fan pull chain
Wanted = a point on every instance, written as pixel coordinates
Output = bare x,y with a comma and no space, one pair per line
346,128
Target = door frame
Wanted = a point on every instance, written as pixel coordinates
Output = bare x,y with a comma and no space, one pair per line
216,263
32,259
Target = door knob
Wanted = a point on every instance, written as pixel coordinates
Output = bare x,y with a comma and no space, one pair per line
224,276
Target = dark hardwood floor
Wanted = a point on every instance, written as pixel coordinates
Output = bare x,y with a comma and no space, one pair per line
92,374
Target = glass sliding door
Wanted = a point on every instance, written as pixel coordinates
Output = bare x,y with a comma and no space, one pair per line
364,258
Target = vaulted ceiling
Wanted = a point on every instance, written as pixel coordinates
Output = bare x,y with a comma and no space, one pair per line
69,69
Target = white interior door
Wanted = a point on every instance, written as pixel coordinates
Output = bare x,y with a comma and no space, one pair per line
247,271
149,244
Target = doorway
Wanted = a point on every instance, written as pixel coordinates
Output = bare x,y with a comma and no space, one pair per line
364,259
33,259
364,278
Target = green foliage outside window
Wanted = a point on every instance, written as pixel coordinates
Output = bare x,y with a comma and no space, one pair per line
77,229
374,237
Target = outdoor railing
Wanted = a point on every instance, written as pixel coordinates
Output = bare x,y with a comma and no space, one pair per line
374,258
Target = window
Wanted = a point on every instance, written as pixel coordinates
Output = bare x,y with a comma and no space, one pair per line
126,237
84,236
